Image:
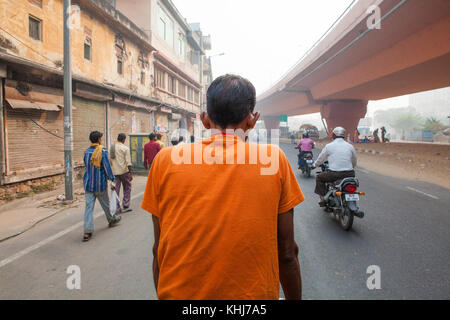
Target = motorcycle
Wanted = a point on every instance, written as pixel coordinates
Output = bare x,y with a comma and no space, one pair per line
342,199
307,163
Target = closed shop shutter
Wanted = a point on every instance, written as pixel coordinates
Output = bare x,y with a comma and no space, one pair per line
88,116
35,142
124,119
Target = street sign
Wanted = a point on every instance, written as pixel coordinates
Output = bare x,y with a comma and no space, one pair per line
283,118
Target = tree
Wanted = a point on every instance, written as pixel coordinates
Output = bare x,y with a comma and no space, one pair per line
433,124
407,121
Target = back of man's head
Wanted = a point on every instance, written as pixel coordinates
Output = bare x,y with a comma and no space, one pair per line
230,99
152,137
158,136
122,137
95,136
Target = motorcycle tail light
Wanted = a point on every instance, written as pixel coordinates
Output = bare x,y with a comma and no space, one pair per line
351,188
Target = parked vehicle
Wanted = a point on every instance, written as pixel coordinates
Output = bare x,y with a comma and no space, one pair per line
342,200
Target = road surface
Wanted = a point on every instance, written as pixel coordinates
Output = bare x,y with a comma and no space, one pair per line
405,233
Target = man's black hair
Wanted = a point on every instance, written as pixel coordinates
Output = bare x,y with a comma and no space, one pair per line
192,139
122,137
158,136
230,98
95,136
174,142
181,139
152,137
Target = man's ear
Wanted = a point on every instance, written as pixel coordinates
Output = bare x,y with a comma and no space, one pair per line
252,119
205,120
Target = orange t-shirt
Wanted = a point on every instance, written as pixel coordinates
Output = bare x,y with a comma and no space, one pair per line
219,220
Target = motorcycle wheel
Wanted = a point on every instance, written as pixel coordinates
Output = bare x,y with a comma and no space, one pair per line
346,219
308,171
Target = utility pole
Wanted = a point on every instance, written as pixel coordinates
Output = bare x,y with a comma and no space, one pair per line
68,169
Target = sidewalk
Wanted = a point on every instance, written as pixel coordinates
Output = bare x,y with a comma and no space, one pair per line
19,216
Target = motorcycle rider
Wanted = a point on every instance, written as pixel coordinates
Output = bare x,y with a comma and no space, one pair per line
305,145
341,157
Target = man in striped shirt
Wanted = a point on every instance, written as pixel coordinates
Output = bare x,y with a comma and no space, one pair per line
97,173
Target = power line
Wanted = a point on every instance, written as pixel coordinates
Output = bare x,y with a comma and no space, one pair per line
29,47
349,45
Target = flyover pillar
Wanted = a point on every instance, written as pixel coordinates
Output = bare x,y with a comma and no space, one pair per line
344,113
271,123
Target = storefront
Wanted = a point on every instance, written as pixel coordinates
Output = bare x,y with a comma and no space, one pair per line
34,132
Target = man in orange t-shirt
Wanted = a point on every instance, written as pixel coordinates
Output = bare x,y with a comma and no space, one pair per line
223,209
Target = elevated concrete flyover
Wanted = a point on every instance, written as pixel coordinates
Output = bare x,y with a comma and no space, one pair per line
355,63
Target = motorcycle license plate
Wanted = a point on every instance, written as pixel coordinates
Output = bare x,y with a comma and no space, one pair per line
352,197
309,161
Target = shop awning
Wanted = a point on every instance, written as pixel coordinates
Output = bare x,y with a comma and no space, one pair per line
33,97
25,104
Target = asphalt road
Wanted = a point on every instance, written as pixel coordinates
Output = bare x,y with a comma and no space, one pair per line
405,233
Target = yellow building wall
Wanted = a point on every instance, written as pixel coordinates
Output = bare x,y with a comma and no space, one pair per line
14,36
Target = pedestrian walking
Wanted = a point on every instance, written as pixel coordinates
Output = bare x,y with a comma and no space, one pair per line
383,134
224,231
122,170
151,149
97,173
376,138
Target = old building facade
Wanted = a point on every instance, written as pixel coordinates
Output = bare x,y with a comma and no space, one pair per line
137,68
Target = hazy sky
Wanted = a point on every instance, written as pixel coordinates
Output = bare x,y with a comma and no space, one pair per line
261,39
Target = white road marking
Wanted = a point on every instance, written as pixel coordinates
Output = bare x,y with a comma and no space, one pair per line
426,194
363,170
36,246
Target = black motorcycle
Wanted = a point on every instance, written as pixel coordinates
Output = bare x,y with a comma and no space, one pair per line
307,163
342,199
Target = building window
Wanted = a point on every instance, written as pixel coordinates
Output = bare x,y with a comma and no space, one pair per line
182,90
87,48
190,94
35,27
196,97
172,85
181,45
119,66
165,26
160,77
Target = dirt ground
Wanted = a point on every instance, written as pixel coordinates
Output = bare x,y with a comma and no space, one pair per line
414,161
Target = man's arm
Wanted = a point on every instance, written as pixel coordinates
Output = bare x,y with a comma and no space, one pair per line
354,159
107,166
290,276
322,157
128,161
145,157
156,231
